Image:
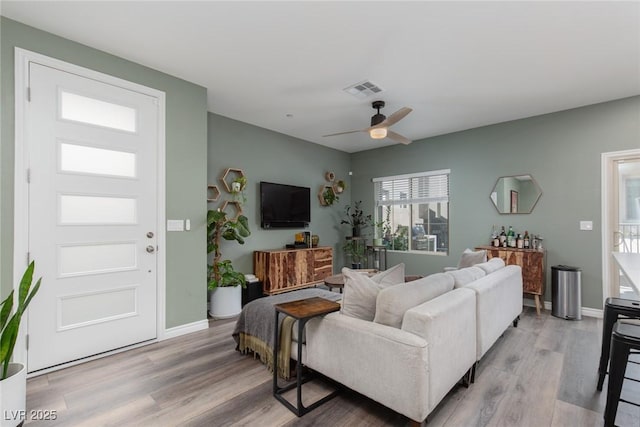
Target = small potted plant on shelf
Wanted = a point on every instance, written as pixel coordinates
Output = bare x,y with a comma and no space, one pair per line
379,233
339,186
355,217
223,281
329,196
13,379
238,186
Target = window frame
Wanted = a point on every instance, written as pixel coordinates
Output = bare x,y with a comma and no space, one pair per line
414,197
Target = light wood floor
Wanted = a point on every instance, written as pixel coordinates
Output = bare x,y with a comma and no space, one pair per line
542,373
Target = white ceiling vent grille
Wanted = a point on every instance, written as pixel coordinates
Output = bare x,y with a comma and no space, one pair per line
363,89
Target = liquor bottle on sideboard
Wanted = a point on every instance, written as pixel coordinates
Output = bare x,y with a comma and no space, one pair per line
519,242
527,241
511,238
503,237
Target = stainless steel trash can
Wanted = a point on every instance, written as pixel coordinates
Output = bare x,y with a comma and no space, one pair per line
566,292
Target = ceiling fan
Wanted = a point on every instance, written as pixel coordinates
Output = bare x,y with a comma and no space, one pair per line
380,124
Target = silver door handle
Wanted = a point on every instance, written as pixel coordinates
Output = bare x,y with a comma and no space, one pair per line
150,234
151,249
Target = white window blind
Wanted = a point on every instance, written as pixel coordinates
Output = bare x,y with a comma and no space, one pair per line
426,187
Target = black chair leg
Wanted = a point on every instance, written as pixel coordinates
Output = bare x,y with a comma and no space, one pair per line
610,317
618,365
515,321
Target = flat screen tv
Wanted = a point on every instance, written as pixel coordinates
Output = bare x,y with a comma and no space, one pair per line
284,206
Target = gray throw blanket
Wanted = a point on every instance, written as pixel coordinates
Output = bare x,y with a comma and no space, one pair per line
255,327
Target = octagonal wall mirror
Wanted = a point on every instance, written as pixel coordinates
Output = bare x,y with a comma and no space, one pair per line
515,194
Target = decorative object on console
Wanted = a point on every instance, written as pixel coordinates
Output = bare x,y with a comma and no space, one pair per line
315,240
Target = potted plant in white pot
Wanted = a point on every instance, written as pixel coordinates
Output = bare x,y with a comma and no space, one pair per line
225,284
13,377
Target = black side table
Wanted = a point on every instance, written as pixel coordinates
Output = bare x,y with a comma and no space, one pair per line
302,311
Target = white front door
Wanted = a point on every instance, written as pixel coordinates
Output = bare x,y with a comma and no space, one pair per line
92,154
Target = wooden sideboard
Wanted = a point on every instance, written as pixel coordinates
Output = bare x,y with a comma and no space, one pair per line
532,263
282,270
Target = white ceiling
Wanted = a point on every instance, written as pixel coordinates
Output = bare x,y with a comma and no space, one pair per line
459,65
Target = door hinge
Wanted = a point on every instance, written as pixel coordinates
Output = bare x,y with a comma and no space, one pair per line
28,258
29,176
27,339
28,94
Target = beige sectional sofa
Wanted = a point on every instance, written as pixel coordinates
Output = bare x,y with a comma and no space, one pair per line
424,337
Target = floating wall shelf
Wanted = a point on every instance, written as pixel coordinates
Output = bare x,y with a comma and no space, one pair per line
213,193
230,174
235,206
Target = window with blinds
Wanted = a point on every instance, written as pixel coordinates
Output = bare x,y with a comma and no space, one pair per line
412,211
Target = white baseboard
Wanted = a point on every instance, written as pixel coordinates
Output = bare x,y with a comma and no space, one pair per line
586,311
188,328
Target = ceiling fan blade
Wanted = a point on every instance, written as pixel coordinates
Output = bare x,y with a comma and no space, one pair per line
344,133
398,138
395,117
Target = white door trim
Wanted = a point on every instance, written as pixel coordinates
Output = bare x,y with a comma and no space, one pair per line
21,188
607,171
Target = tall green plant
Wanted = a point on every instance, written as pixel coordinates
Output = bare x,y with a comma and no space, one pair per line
9,324
221,273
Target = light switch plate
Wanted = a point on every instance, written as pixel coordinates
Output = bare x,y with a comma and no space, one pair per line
175,225
586,225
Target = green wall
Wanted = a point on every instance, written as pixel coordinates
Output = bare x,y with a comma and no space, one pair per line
269,156
186,168
560,150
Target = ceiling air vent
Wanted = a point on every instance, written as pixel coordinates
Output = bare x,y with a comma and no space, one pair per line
363,89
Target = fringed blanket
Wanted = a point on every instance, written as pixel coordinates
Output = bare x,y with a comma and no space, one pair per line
255,327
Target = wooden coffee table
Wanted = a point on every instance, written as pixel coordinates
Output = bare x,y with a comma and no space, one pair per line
301,310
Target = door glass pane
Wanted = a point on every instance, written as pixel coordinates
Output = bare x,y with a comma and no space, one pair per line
96,210
629,206
96,112
96,161
99,258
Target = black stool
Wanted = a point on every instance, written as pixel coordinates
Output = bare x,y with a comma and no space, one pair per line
624,338
613,309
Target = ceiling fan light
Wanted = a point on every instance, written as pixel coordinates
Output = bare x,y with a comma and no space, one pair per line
378,133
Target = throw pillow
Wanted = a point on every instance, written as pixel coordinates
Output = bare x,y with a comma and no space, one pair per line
470,258
390,276
463,277
492,265
394,301
360,292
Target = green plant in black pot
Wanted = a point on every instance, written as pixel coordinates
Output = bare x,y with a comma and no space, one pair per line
355,217
355,251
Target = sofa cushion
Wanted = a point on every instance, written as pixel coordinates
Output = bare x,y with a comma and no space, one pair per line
463,277
394,301
494,264
360,291
470,258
